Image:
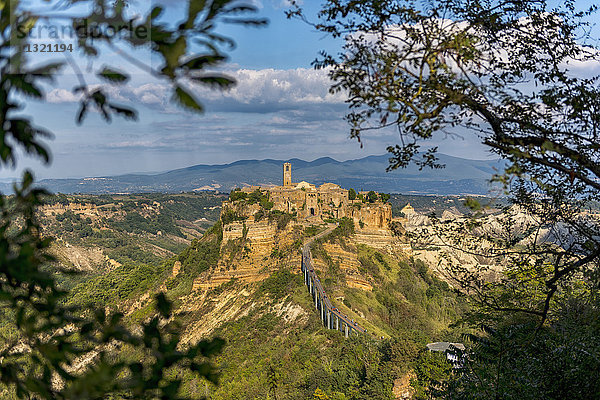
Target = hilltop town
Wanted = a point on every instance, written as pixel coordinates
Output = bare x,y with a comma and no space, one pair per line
329,201
260,221
235,260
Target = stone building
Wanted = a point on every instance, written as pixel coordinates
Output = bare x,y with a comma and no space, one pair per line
258,236
287,174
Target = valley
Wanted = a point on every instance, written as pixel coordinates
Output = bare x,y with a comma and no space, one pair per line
231,265
316,290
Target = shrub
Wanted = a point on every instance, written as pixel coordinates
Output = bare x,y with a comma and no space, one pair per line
368,266
230,216
396,228
237,194
281,218
351,194
265,203
200,256
372,197
280,284
260,214
255,197
345,228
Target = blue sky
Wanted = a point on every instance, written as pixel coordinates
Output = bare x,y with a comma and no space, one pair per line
280,109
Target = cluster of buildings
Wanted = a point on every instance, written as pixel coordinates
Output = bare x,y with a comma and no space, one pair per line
329,200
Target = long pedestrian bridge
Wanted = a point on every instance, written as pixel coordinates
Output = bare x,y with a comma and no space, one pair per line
330,315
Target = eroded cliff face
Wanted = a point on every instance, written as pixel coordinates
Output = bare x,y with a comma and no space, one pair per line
383,239
251,250
371,215
347,261
370,272
257,241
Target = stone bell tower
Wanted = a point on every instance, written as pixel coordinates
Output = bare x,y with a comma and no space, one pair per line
287,174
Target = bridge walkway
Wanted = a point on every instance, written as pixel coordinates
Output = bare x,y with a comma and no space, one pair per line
330,315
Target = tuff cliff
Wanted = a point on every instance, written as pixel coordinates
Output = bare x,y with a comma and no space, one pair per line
258,237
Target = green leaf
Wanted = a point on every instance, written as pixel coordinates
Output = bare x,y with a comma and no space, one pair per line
186,99
247,21
22,84
82,112
112,75
203,61
172,52
194,8
241,9
155,13
125,112
46,70
219,81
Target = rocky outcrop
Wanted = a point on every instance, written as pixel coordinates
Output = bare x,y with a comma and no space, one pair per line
250,251
348,264
259,235
402,389
381,238
176,268
371,215
81,258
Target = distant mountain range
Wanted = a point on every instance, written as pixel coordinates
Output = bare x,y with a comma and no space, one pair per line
460,176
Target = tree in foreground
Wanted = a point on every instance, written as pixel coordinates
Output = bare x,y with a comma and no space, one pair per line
521,78
45,343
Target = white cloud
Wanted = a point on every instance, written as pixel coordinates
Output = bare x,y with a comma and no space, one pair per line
286,3
273,89
62,96
259,91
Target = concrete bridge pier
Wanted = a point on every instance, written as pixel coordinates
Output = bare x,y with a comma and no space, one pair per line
329,318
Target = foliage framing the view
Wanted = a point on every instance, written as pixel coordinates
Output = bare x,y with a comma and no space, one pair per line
499,70
44,338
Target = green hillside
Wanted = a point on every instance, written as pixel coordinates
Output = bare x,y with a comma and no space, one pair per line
276,346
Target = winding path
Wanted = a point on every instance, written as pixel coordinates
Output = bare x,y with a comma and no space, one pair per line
331,316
